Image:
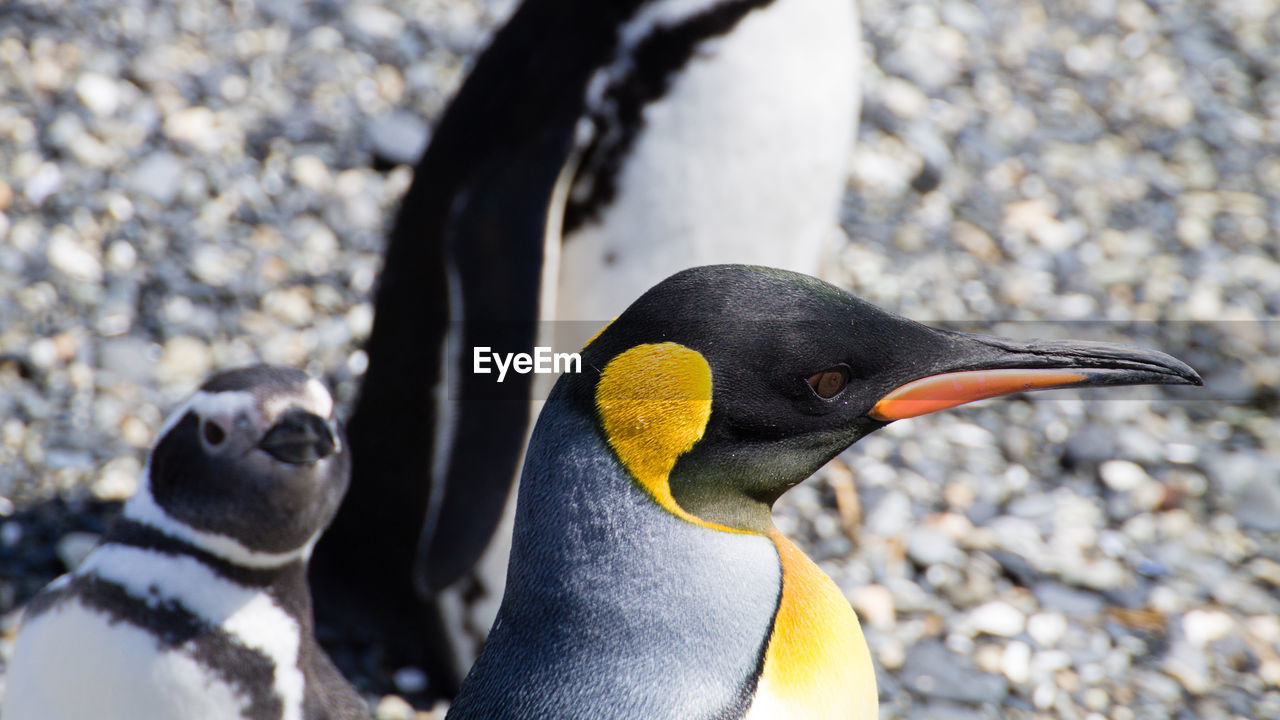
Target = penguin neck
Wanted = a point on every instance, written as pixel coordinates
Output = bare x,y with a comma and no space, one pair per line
285,583
726,508
577,497
142,508
603,580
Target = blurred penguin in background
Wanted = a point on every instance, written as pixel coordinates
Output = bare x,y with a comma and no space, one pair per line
595,148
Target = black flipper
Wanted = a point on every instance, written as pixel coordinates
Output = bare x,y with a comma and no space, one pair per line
475,216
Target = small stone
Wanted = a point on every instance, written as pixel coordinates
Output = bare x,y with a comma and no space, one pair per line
393,707
970,435
1258,505
1122,475
358,362
1044,696
1265,570
1035,219
399,137
11,534
291,306
98,93
1067,600
409,680
128,358
196,126
959,496
902,98
118,480
234,88
997,618
927,546
933,670
891,516
72,258
74,547
875,607
1190,667
43,353
1047,662
1047,628
1100,574
121,257
375,21
1206,302
986,656
1181,453
1015,662
311,173
158,176
120,207
136,432
1205,626
113,324
891,653
212,265
1095,698
45,181
184,360
1269,672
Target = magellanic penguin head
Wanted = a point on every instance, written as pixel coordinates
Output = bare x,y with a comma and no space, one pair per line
725,385
251,468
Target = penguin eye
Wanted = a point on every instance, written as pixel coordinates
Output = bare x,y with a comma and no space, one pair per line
829,382
213,433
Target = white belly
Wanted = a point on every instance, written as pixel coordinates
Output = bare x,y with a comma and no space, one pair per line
744,160
72,663
75,661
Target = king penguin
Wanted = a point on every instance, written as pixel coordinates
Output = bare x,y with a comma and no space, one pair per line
594,149
647,579
195,605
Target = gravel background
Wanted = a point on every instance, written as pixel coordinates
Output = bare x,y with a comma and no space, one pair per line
192,185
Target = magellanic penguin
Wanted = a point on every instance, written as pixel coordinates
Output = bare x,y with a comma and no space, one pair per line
595,148
647,579
195,605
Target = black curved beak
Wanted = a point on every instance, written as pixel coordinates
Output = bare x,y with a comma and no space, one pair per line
300,438
979,367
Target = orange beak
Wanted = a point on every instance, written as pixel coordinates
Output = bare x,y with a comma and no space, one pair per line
939,392
1004,367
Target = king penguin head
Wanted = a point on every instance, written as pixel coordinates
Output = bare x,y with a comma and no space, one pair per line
251,468
724,386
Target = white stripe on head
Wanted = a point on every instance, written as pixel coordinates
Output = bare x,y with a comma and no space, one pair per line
250,616
143,508
321,400
206,403
314,398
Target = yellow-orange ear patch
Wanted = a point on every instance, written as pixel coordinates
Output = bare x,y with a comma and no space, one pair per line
654,402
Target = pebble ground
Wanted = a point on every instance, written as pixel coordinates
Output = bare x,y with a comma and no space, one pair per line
198,184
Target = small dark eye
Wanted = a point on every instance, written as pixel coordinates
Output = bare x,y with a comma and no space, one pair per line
830,382
213,433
